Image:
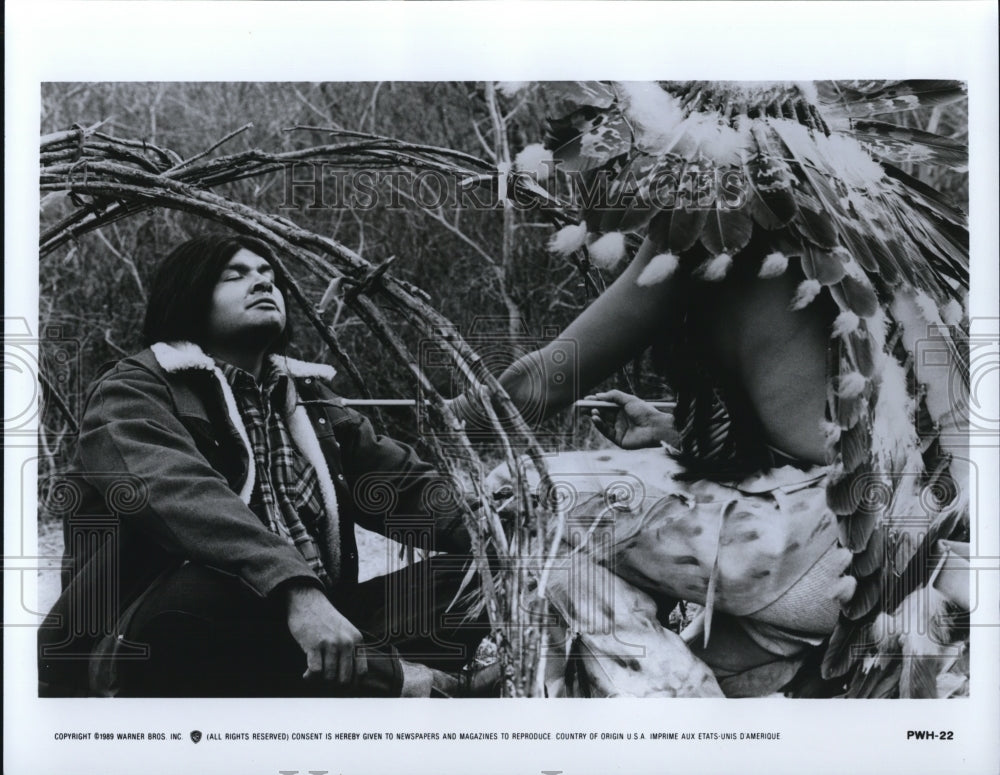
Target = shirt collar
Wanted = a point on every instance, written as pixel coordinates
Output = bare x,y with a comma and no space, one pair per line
273,376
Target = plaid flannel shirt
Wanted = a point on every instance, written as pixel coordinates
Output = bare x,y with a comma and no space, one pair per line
286,494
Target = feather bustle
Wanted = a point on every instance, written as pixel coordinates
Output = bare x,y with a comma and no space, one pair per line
855,446
823,266
866,597
868,560
726,231
845,640
898,234
855,295
843,494
860,348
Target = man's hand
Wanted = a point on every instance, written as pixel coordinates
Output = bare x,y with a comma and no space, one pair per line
328,639
636,424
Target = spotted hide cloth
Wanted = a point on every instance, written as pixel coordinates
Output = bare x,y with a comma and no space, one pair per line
764,548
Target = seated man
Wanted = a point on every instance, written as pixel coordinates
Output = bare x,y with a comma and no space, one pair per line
232,569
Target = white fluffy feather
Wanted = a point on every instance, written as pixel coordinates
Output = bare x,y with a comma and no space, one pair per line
720,142
851,384
717,268
568,239
928,309
655,114
892,423
774,265
877,326
535,160
952,313
608,251
805,293
659,268
845,323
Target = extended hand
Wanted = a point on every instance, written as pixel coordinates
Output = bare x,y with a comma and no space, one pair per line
329,640
636,424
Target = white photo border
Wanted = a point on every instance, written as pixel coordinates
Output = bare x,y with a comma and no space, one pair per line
265,41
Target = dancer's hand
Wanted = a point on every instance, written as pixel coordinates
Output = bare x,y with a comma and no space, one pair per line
636,424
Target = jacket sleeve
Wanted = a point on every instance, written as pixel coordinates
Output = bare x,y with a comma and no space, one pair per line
387,478
187,507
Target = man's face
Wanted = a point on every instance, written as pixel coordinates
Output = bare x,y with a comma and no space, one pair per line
247,309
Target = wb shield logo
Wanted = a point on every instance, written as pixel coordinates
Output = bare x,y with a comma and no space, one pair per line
196,736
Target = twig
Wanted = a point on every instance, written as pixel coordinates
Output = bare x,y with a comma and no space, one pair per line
305,101
207,151
63,135
438,216
125,260
60,404
111,344
482,142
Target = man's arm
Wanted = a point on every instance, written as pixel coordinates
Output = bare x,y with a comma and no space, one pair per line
130,426
388,478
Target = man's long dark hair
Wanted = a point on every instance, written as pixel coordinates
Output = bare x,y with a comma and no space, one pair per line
180,294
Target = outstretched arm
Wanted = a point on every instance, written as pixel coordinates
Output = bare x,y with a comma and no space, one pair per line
615,328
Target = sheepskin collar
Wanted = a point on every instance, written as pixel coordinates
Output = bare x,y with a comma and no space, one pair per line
184,356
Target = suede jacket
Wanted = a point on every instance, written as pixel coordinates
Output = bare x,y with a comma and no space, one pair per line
163,475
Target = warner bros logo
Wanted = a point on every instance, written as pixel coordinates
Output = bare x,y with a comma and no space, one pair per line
196,736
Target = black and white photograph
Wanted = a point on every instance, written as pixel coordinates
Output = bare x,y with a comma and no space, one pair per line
633,415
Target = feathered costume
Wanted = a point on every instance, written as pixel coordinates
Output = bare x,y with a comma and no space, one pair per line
718,174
